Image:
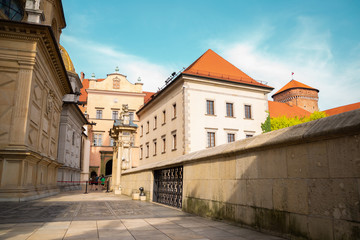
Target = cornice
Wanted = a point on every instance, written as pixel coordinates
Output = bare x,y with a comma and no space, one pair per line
44,35
109,92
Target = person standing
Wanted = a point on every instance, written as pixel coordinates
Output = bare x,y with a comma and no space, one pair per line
102,182
96,183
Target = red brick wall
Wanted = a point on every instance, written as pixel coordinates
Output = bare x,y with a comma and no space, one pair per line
304,98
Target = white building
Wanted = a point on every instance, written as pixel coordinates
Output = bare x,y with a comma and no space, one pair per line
208,104
73,142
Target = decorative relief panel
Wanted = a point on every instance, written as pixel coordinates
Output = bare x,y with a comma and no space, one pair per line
45,125
7,91
35,114
53,149
44,143
32,136
37,95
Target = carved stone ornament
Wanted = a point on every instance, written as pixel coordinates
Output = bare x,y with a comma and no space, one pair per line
50,102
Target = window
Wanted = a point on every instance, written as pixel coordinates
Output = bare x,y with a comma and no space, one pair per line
141,152
131,116
249,135
12,9
99,114
174,141
163,149
231,137
115,115
155,122
164,117
211,139
147,127
141,130
174,111
111,142
248,111
147,149
97,139
210,107
155,147
229,110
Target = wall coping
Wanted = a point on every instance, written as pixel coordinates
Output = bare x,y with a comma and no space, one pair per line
335,126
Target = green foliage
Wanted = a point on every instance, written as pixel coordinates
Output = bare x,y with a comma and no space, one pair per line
266,126
283,122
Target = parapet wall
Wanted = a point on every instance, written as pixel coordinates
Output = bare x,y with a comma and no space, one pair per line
302,181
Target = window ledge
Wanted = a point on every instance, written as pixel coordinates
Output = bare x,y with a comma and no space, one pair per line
212,115
163,152
173,149
248,119
230,117
163,124
173,118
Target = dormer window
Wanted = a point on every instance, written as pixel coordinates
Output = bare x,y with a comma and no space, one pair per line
116,83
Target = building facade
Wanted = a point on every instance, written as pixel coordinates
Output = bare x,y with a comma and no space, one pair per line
33,81
103,100
208,104
72,139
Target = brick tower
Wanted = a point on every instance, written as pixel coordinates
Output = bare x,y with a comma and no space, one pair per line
298,94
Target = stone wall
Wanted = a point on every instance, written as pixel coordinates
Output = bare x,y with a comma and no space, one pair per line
300,182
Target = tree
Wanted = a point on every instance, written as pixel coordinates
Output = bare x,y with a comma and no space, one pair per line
283,121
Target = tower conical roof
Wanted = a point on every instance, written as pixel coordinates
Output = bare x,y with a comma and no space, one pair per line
294,84
212,65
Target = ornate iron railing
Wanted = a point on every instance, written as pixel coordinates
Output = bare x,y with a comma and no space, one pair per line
168,184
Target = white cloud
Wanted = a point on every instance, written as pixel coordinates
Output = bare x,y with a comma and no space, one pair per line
102,60
307,53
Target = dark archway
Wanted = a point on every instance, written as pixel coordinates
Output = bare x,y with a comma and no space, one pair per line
108,167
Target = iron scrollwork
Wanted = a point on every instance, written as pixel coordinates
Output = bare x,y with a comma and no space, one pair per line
168,186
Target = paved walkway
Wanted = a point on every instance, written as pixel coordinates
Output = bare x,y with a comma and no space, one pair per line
99,215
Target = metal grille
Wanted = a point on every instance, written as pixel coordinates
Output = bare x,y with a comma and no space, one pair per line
168,184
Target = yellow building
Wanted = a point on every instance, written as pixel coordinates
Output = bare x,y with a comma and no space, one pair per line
103,101
33,81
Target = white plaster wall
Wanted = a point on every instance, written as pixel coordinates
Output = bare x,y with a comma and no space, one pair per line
199,123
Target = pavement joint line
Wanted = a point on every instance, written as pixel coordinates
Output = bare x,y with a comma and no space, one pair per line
127,229
158,229
97,229
111,210
77,210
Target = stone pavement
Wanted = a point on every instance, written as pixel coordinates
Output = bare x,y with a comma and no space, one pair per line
99,215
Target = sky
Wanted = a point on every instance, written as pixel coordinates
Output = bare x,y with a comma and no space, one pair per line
319,41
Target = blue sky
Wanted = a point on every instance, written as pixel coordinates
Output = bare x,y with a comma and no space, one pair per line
317,40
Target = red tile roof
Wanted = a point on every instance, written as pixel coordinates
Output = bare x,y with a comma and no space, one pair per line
85,83
345,108
278,109
148,96
294,84
211,65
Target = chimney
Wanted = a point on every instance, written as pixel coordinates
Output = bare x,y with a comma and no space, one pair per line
82,76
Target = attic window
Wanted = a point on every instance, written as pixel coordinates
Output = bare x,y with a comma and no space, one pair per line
116,83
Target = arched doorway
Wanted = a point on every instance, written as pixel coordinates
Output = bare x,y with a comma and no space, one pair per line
108,167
